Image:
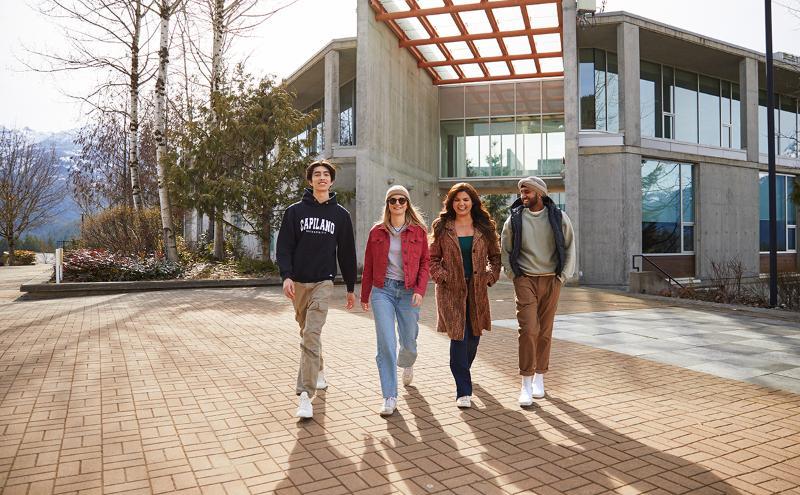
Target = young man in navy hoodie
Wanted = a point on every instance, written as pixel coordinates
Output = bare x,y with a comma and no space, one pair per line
314,233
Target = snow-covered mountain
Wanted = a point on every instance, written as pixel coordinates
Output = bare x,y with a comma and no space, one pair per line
65,225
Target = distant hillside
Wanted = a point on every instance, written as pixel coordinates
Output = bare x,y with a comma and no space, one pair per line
66,224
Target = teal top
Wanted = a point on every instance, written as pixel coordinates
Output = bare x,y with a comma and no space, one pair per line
466,254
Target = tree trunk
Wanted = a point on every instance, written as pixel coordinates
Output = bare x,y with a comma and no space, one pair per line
266,225
133,128
170,247
218,24
219,239
11,248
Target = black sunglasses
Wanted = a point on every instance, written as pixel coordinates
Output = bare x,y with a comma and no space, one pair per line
400,200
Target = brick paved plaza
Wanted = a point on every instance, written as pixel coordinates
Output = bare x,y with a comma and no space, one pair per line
192,392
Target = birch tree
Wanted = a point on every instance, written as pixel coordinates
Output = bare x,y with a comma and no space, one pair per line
106,36
166,8
30,187
228,19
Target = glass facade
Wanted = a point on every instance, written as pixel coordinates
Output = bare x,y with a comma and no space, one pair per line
667,207
786,213
786,125
599,90
685,106
347,114
502,130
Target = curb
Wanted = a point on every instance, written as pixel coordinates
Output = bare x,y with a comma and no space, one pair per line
779,314
36,289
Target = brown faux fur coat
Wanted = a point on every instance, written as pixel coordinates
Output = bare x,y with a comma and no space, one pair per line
447,270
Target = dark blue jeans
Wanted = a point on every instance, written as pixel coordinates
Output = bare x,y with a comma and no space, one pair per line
462,354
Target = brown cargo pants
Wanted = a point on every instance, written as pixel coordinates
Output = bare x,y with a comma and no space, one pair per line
537,300
310,311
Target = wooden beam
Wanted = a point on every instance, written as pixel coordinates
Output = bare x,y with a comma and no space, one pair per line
450,9
471,44
432,33
498,78
481,36
499,58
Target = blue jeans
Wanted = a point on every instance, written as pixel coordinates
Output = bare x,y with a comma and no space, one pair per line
391,302
462,354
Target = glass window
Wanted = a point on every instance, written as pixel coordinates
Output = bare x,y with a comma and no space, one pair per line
477,149
736,119
453,148
650,99
529,144
552,96
667,207
685,106
554,145
762,123
502,100
587,88
529,98
502,158
667,99
477,100
612,93
451,102
347,114
599,90
709,113
787,144
785,209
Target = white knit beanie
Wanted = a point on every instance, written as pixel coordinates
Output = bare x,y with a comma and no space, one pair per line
534,183
395,190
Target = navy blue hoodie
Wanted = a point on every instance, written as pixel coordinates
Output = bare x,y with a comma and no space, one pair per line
312,236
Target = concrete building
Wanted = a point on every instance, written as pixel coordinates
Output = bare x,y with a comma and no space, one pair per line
653,138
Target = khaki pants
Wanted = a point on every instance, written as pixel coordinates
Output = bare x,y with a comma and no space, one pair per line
537,300
310,311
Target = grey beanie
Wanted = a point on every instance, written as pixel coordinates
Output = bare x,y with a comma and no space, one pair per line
395,190
534,183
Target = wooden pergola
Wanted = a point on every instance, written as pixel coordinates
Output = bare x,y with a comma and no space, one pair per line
461,41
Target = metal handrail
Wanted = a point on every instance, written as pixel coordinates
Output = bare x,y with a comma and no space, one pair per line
649,260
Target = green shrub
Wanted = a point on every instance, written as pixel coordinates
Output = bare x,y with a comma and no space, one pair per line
97,265
124,230
250,266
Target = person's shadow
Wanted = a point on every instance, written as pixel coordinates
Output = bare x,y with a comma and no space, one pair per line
573,450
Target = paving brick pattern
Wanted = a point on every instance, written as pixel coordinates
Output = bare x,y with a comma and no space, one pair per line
192,392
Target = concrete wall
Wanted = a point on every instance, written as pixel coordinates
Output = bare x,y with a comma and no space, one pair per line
397,125
611,216
726,226
572,181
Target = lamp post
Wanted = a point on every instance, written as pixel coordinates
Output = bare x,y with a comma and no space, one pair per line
773,226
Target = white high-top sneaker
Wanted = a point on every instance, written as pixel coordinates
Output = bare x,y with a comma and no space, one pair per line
464,402
304,409
537,390
321,383
389,405
525,397
408,375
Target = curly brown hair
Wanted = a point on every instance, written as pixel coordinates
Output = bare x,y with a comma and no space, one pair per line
480,216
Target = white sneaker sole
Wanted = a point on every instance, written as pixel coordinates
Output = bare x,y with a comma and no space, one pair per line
386,413
525,403
303,414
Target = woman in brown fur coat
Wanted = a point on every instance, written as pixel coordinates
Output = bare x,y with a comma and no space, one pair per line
465,261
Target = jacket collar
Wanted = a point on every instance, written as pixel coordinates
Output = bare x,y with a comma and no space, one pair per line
450,227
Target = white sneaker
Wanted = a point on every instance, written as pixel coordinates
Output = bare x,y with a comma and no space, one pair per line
525,397
464,402
321,383
537,388
408,375
389,405
304,409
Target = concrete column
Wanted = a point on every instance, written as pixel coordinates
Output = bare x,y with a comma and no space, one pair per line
628,59
331,126
748,95
571,113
